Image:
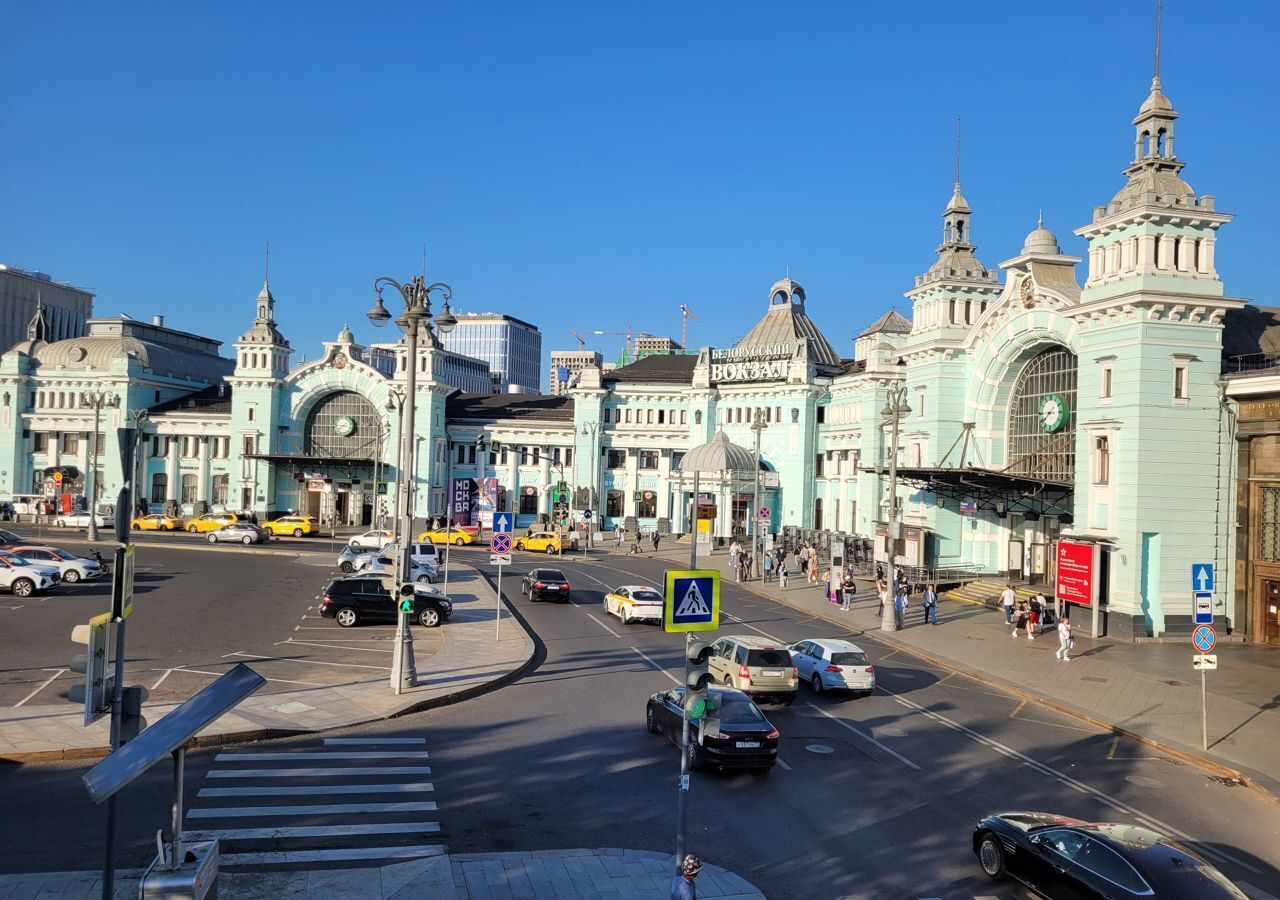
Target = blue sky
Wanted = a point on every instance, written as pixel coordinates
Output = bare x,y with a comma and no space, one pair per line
592,165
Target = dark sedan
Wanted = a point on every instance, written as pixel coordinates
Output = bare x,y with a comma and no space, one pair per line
539,584
746,740
1066,858
368,599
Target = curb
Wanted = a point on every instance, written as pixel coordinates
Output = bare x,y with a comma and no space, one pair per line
266,734
1185,756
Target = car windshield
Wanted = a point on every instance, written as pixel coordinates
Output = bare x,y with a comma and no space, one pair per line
647,596
19,561
735,709
852,658
62,554
549,575
768,658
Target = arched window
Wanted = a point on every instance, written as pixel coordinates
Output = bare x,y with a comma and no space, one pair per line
221,490
159,487
1145,143
189,489
1042,417
342,425
1160,136
960,231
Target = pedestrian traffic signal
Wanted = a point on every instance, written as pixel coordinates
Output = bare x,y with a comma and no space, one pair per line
709,724
697,677
131,719
95,692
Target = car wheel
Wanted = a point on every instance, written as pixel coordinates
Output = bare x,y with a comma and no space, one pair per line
346,617
136,527
213,539
728,681
297,532
458,542
347,567
991,856
650,721
247,540
520,545
429,617
551,551
423,579
192,529
816,683
23,587
625,616
71,576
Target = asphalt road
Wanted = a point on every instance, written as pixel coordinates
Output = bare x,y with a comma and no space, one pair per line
878,796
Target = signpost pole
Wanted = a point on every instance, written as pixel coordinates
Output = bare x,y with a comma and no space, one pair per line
1204,713
497,612
682,794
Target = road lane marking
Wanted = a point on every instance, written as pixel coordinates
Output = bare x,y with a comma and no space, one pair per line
420,787
319,772
646,658
604,626
310,662
301,831
866,737
44,684
331,742
294,643
734,618
323,754
319,809
783,763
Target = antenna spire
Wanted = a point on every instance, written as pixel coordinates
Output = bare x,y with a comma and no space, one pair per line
957,152
266,263
1159,9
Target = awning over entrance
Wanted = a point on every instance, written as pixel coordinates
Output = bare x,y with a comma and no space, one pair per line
1000,492
299,459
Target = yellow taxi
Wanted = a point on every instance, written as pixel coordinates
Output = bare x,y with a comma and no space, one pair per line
539,542
155,522
210,522
455,536
294,525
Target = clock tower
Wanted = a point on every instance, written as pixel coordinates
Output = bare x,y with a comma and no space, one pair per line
257,386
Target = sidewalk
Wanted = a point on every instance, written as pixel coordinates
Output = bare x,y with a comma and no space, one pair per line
608,874
468,663
1146,690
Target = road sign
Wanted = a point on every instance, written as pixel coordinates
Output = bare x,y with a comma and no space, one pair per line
502,523
499,559
501,543
1204,663
1202,577
692,600
406,605
122,585
1204,637
1203,604
765,512
586,514
57,478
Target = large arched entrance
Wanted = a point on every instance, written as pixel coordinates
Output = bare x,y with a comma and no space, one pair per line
342,436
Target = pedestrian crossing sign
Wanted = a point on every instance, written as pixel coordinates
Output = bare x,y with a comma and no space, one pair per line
692,600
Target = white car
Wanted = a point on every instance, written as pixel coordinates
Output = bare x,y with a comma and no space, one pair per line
72,568
633,602
422,572
80,520
832,664
372,540
23,578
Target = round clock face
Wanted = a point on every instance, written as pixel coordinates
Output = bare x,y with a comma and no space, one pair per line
1053,413
345,426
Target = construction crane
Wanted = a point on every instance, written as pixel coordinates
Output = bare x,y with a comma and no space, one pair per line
685,315
581,343
631,336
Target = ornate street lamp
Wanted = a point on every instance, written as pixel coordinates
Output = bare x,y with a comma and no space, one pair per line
894,411
98,399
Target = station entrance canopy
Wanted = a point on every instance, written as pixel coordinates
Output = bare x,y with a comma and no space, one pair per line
1000,492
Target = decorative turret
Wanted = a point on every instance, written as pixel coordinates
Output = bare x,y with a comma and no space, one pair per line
262,350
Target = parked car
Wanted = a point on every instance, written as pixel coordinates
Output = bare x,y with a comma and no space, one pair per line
22,578
1057,856
238,533
540,542
746,739
381,564
294,525
756,665
80,520
454,535
832,664
539,584
633,602
9,539
347,558
211,522
372,540
155,522
358,599
72,568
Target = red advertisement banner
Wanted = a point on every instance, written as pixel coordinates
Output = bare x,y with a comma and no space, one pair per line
1075,573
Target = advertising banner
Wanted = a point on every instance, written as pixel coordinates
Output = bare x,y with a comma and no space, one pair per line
1076,572
487,501
463,501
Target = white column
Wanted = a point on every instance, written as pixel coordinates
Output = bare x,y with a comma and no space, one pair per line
1166,252
1146,253
202,469
1184,254
665,487
544,482
1206,256
171,468
633,484
85,438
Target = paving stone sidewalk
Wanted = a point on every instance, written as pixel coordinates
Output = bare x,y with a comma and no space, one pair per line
469,661
1146,689
606,874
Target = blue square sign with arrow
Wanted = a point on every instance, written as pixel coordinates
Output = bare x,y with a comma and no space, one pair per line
692,600
1202,577
502,523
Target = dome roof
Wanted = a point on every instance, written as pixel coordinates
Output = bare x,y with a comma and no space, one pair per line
718,455
102,352
791,289
891,322
1156,101
957,203
1159,181
1041,242
345,336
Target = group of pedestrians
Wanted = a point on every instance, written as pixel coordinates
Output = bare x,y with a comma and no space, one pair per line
1031,615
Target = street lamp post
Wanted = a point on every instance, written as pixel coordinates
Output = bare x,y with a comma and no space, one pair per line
757,542
416,316
895,408
98,400
592,430
140,467
395,401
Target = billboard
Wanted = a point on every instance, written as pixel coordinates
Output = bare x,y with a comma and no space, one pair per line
1077,572
487,501
463,500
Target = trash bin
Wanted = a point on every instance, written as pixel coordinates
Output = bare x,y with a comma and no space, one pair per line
195,878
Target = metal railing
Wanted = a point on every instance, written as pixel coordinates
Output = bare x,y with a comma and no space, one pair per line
1250,362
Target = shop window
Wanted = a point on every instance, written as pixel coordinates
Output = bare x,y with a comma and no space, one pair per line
528,502
1269,534
188,489
647,505
648,459
159,487
677,457
613,504
617,459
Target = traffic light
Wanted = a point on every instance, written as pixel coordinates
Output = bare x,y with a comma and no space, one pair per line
697,677
131,718
95,693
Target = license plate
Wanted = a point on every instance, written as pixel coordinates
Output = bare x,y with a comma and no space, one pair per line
748,745
771,673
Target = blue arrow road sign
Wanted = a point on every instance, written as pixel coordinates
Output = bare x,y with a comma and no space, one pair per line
502,523
1202,577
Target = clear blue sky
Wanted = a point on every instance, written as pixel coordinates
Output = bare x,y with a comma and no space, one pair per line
591,165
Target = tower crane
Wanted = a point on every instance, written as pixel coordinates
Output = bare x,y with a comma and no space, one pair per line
630,334
685,315
581,343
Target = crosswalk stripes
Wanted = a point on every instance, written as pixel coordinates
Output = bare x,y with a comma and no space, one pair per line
350,800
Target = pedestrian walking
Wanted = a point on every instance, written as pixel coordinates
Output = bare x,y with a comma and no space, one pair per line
1021,617
782,576
683,886
930,599
618,535
1065,643
657,538
768,567
1007,599
1033,615
813,565
847,589
882,591
900,607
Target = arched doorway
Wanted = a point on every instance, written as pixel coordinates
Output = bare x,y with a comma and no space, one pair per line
341,437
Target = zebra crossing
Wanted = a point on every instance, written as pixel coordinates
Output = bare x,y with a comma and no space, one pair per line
349,800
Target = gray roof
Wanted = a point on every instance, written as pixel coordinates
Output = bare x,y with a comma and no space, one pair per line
787,323
101,351
657,369
717,455
892,322
216,398
508,406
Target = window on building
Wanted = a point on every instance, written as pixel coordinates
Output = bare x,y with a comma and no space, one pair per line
617,459
684,417
626,416
537,455
252,410
524,456
677,457
648,417
822,415
568,456
461,455
471,454
817,513
1105,390
1180,383
613,504
159,487
250,444
188,489
920,403
71,442
648,459
529,502
818,464
662,417
504,456
1102,459
41,439
1269,535
221,490
647,505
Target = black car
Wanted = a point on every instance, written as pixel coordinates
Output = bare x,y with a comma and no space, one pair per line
746,739
539,584
1065,858
355,600
9,539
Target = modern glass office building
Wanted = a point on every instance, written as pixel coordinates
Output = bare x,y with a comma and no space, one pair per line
511,347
